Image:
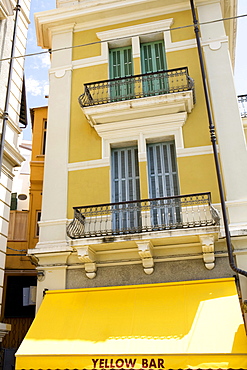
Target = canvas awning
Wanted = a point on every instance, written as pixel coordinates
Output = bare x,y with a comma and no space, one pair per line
196,324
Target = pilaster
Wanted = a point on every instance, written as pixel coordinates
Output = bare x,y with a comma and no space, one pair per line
54,202
229,128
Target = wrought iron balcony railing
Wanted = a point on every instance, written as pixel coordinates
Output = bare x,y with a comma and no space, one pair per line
242,102
177,212
134,87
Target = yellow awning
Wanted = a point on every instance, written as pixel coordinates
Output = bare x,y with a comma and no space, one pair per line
196,324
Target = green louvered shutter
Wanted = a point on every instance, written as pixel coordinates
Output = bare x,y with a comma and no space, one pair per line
121,65
153,59
163,181
125,187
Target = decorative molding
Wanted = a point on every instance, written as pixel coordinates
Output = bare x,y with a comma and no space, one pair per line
50,247
193,151
105,162
58,30
216,43
121,115
6,9
12,155
145,250
88,257
136,30
53,222
49,258
86,165
86,254
140,131
207,242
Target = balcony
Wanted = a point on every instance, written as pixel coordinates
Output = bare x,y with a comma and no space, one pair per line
140,96
143,216
242,102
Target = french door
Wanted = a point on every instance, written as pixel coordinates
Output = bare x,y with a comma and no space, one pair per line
153,59
125,187
121,65
163,182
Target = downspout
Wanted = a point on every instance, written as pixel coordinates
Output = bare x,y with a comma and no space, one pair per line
213,141
6,107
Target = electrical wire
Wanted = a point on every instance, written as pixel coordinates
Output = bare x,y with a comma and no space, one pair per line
51,51
17,250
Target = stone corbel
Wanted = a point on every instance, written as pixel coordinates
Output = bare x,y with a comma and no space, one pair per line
207,242
145,250
88,257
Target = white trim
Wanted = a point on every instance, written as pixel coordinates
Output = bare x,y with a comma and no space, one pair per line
136,30
50,246
121,114
141,139
86,165
12,155
53,222
59,70
236,203
191,152
140,130
58,30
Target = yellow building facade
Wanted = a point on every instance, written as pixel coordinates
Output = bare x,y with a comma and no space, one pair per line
131,210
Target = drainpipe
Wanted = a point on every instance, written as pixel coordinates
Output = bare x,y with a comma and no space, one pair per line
213,141
6,107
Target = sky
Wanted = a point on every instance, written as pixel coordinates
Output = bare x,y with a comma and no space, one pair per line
36,67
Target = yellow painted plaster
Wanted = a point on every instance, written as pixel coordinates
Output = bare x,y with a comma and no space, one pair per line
91,49
89,36
143,180
195,130
137,66
85,143
197,174
86,187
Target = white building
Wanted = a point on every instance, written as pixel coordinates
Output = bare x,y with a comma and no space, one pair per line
16,113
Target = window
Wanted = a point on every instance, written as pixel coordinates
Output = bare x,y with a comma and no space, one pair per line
44,136
38,217
153,59
163,182
125,187
121,65
13,202
15,305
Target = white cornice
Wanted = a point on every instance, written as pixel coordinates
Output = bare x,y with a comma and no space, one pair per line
91,15
6,9
136,30
63,28
12,155
96,14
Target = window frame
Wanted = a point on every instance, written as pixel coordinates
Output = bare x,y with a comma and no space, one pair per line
37,219
44,136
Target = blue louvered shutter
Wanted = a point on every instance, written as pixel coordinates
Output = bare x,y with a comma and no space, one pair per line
125,187
163,182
